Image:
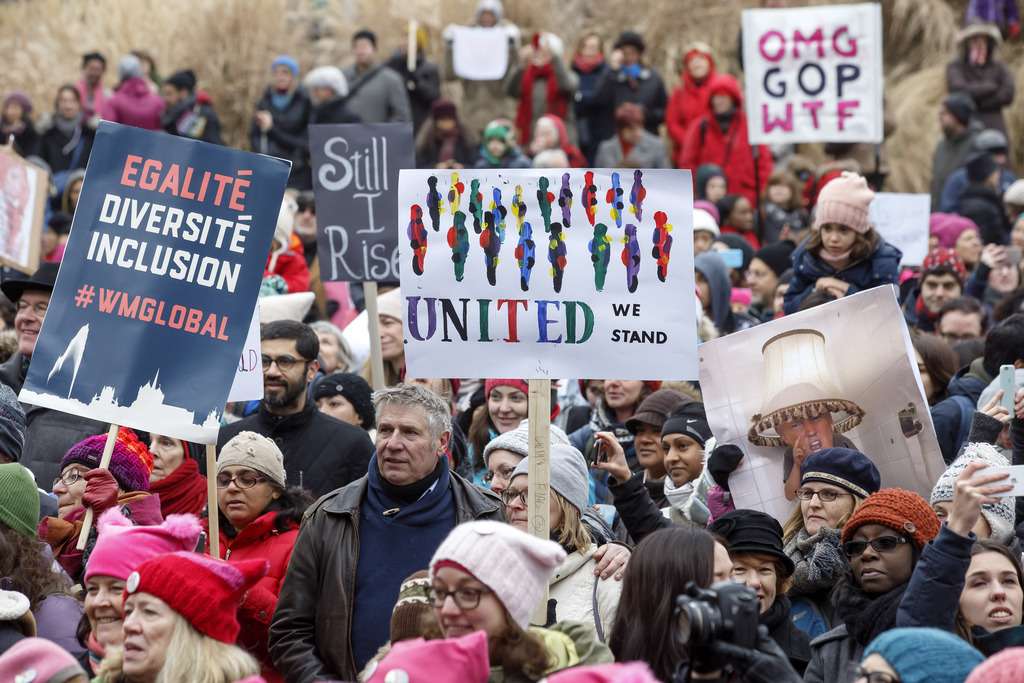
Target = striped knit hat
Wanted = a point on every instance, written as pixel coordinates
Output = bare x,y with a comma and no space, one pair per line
413,616
130,462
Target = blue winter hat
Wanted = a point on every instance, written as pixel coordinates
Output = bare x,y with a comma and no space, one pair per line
288,61
925,655
842,467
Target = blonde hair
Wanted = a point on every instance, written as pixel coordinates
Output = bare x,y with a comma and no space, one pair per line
795,522
571,533
191,656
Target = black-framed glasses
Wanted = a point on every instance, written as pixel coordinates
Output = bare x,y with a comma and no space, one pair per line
509,496
38,308
882,544
504,472
862,674
465,598
68,478
243,480
825,495
284,363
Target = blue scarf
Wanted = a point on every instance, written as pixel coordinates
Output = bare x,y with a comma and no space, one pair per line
281,100
632,70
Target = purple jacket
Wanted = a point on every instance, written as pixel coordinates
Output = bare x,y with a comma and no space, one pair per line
1001,12
134,104
57,619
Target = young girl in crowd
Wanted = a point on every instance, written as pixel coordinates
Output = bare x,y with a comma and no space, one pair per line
882,541
738,218
833,483
490,576
782,207
844,254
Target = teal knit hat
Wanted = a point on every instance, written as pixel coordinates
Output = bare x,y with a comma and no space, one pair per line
925,655
19,499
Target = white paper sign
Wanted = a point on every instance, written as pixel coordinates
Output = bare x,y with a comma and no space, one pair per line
902,220
248,382
841,374
479,54
814,74
548,273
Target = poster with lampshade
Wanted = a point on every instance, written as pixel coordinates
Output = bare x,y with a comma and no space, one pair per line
839,375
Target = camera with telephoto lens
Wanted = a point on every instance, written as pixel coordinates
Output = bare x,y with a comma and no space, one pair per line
726,612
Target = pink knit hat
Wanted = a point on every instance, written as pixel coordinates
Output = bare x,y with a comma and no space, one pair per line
462,659
38,660
1005,667
947,227
121,547
845,201
631,672
512,563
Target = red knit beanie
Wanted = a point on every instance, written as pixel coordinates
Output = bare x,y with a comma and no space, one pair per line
1005,667
900,510
520,384
203,590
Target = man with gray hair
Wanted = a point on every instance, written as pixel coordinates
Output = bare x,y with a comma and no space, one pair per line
358,544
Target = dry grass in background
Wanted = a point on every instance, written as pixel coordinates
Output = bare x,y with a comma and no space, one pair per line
229,44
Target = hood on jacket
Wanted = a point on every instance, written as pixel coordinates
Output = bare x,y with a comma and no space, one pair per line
563,135
134,87
980,28
724,84
706,172
691,50
714,270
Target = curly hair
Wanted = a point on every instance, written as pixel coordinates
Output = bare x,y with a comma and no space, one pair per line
27,566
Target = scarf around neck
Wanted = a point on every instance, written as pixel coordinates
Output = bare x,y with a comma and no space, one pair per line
181,491
866,615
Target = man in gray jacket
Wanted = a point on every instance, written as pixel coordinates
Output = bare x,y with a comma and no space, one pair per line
50,433
376,94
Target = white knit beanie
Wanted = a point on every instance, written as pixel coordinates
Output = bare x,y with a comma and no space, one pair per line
518,440
255,451
1000,516
512,563
569,476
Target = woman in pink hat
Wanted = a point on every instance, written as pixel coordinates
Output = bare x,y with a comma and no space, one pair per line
120,548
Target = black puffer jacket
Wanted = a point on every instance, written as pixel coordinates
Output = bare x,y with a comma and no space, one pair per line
286,139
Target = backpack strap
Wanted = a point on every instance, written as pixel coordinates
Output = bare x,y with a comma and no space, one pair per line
598,626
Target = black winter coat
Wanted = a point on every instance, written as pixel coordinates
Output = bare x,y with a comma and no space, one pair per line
423,85
51,148
984,206
286,139
648,90
594,116
948,414
321,454
332,111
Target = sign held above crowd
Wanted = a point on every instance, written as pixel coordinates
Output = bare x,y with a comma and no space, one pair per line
814,74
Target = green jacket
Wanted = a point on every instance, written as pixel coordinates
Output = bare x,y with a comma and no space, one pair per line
570,644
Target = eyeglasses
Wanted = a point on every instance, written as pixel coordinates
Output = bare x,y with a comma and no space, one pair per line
465,598
508,496
860,673
38,308
284,363
68,478
243,480
825,495
882,544
503,473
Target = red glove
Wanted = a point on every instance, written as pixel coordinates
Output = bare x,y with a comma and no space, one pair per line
100,490
1013,29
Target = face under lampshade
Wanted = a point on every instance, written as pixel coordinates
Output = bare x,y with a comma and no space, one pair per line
798,377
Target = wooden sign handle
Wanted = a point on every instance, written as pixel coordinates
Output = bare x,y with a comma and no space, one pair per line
376,361
108,450
539,474
213,519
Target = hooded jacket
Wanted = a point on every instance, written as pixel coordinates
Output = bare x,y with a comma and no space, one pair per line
706,143
715,272
688,102
965,387
881,268
990,85
134,104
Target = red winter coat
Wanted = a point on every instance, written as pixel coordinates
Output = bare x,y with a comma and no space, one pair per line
291,266
134,104
260,540
707,144
688,103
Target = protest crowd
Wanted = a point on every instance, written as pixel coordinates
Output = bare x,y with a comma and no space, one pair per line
378,528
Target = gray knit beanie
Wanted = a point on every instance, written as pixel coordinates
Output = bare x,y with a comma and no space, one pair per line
569,476
1000,516
518,440
257,452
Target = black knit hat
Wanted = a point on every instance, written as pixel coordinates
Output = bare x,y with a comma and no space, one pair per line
753,531
656,408
183,80
690,420
961,106
353,389
980,166
777,256
631,38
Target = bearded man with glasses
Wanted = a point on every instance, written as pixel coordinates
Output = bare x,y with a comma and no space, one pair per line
321,453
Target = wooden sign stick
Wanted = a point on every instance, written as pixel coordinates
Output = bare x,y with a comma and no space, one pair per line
539,474
212,509
108,450
376,362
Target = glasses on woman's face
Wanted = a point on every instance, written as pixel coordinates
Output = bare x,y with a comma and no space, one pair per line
508,496
243,480
825,495
882,544
465,598
860,674
68,478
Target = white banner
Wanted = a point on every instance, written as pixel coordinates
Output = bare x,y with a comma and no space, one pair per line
548,273
248,382
479,54
841,374
902,220
814,74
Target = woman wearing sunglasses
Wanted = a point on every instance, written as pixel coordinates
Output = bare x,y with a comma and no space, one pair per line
973,588
882,541
259,519
833,484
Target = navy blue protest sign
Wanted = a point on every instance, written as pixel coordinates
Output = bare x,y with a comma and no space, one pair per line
355,182
158,283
